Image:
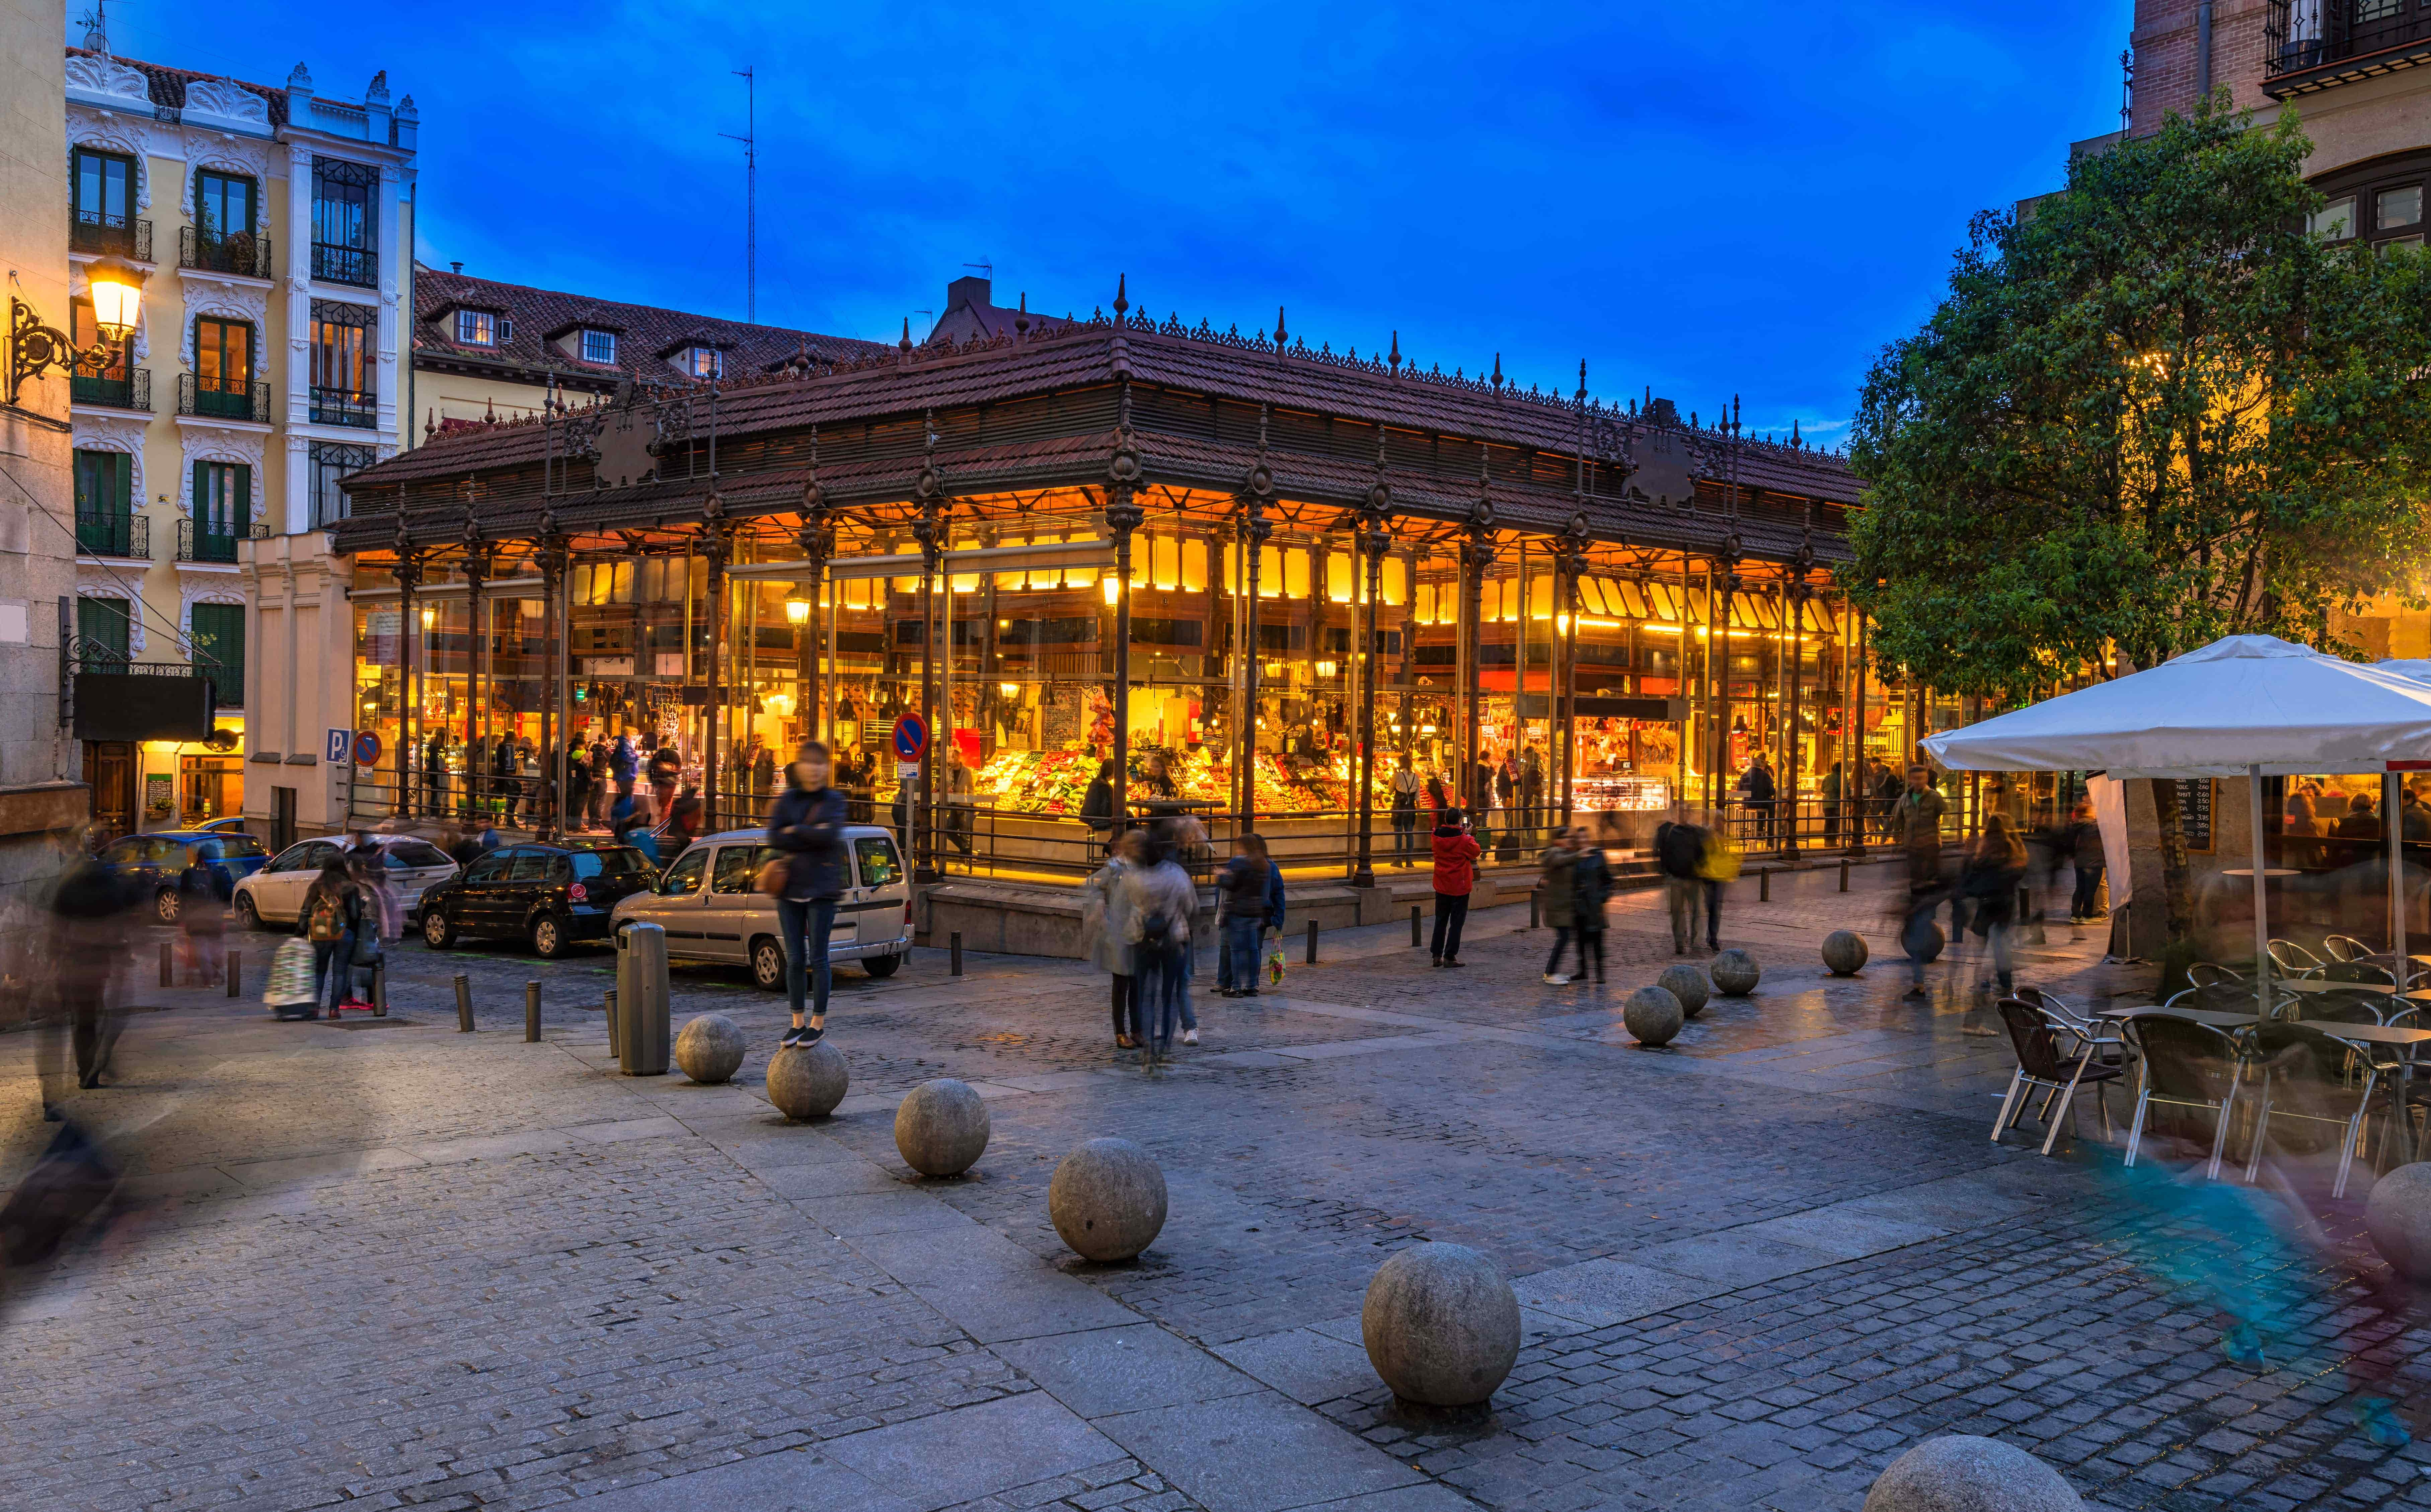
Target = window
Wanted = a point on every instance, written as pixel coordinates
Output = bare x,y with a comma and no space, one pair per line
492,867
329,462
223,368
2335,221
105,509
223,510
2381,200
684,878
345,222
704,361
737,865
103,624
622,861
530,865
102,186
2397,209
879,866
407,855
224,205
341,365
476,328
599,347
218,636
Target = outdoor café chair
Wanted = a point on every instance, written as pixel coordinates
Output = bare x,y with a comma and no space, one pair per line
2043,1067
2088,1030
2345,947
2183,1063
2309,1068
2212,974
2369,972
2293,959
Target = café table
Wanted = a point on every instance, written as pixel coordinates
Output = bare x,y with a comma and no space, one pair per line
2213,1016
2403,1044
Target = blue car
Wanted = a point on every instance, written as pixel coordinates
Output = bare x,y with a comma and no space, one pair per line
150,864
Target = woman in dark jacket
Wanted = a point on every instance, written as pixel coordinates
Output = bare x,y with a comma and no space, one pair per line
1995,865
1097,804
1590,889
808,827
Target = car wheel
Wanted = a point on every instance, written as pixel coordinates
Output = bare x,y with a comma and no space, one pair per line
436,931
769,963
248,917
164,904
881,965
548,939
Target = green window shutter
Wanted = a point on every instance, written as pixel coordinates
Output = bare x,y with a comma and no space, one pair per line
219,635
202,491
241,524
103,621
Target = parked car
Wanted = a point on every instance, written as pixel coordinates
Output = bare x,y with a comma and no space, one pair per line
274,894
149,864
707,903
552,895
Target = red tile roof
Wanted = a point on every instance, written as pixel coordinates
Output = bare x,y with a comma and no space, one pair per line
169,84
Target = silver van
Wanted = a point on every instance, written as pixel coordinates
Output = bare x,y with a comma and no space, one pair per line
707,903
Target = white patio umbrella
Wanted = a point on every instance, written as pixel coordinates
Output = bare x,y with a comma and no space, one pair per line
2419,669
2249,705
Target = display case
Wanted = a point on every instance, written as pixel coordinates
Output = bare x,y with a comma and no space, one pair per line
1620,795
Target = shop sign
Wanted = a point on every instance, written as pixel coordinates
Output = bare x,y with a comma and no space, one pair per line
607,667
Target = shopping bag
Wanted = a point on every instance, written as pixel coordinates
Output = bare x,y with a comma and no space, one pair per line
290,976
1274,961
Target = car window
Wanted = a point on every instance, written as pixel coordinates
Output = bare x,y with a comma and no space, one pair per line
737,865
487,868
615,861
234,843
121,852
166,854
406,853
682,879
317,854
291,859
879,866
530,865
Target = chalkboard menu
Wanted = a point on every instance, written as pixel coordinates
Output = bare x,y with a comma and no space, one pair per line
2194,812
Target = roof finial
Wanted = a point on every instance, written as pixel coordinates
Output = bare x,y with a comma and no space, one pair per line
429,426
905,345
1395,359
1582,380
1796,442
1021,317
929,424
1122,297
1280,337
1497,375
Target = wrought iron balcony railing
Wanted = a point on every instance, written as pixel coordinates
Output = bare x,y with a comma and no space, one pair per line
127,389
221,400
246,253
345,264
111,533
228,682
91,231
2306,41
339,407
211,542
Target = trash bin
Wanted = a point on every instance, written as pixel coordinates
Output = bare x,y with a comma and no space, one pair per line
642,1033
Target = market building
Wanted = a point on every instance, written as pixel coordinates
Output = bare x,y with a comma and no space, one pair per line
1209,559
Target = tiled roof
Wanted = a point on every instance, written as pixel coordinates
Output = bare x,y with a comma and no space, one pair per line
169,84
643,333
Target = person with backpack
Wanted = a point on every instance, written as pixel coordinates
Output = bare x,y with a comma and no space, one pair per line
1679,854
1161,902
1455,852
807,826
1590,889
333,913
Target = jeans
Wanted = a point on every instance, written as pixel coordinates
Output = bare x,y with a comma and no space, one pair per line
2089,891
332,966
1591,943
1165,994
1237,968
1561,943
1451,911
1405,831
1126,1003
806,926
1681,894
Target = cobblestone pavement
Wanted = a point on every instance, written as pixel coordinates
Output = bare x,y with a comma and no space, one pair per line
391,1265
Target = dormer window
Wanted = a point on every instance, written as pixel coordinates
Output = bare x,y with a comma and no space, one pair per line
476,328
599,347
704,361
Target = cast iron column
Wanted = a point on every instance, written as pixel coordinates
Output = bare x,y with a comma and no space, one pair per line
716,542
1476,555
1375,540
818,538
555,711
1257,486
1572,546
476,572
1865,808
1727,579
930,490
1794,600
1123,516
408,668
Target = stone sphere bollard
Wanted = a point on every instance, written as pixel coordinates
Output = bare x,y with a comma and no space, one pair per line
1736,973
1441,1326
1107,1200
709,1050
1652,1015
941,1127
2399,1218
1844,952
1688,984
808,1080
1960,1473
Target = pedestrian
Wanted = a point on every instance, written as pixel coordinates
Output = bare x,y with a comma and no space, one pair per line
2081,842
86,939
764,770
666,767
687,817
1757,792
1916,824
1590,889
434,770
1455,851
1097,804
1832,791
1241,910
1558,905
204,892
1680,855
333,912
1995,864
1717,866
1405,810
624,763
577,786
502,766
1162,900
1531,787
960,804
1105,924
1440,789
1887,792
807,829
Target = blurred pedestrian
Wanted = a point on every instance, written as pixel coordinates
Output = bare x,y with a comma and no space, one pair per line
1832,790
806,826
955,788
1241,914
1162,902
686,817
578,787
1455,853
1097,806
1995,864
666,767
1105,924
1680,855
2081,843
333,913
1556,870
204,892
78,1020
1590,889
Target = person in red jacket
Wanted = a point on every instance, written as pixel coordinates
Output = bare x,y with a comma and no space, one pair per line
1456,852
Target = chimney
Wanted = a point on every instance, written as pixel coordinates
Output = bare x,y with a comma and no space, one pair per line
975,290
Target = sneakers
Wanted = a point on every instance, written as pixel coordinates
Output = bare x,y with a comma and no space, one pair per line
801,1037
1190,1037
793,1037
1556,980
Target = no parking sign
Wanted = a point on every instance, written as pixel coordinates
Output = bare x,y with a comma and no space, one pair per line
910,737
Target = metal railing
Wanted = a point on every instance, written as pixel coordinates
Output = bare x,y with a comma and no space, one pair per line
345,264
126,235
341,406
131,390
219,398
215,545
112,533
228,682
2302,34
245,253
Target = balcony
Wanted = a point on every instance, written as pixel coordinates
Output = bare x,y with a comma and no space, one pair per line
127,389
89,231
338,406
219,399
212,543
227,683
244,253
345,264
2313,45
111,533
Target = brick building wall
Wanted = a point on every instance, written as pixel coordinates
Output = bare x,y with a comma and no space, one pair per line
2168,65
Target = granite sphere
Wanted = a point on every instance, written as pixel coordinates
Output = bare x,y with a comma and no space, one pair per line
2398,1214
1960,1473
1736,973
808,1080
1441,1326
1844,952
1688,984
1107,1200
709,1049
1652,1015
940,1127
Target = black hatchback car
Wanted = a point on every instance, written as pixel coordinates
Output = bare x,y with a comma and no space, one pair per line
551,896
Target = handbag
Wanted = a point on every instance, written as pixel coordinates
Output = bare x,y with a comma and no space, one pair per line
1275,961
771,881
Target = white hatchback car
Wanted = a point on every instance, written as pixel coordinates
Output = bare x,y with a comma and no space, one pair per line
274,895
712,912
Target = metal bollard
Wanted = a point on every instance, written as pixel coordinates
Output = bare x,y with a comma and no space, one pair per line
1844,874
379,988
1312,942
463,1004
531,1013
168,972
236,974
954,947
1764,887
643,993
610,1004
1416,939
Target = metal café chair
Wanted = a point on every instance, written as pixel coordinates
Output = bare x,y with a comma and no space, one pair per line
2212,974
2088,1029
2345,947
2043,1065
2308,1063
2183,1063
2294,960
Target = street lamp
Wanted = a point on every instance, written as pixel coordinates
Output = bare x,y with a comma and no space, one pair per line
798,611
117,289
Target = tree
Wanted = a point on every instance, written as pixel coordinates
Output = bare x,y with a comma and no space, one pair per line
2156,410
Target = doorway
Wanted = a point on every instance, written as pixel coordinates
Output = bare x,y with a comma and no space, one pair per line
211,787
110,765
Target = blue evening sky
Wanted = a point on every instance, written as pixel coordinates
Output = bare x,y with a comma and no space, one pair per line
1706,199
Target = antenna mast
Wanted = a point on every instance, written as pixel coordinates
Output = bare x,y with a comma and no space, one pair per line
751,139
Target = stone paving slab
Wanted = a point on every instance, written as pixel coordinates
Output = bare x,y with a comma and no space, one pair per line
1109,1371
1259,1452
952,1458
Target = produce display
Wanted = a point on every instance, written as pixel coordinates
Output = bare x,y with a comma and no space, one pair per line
1056,781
